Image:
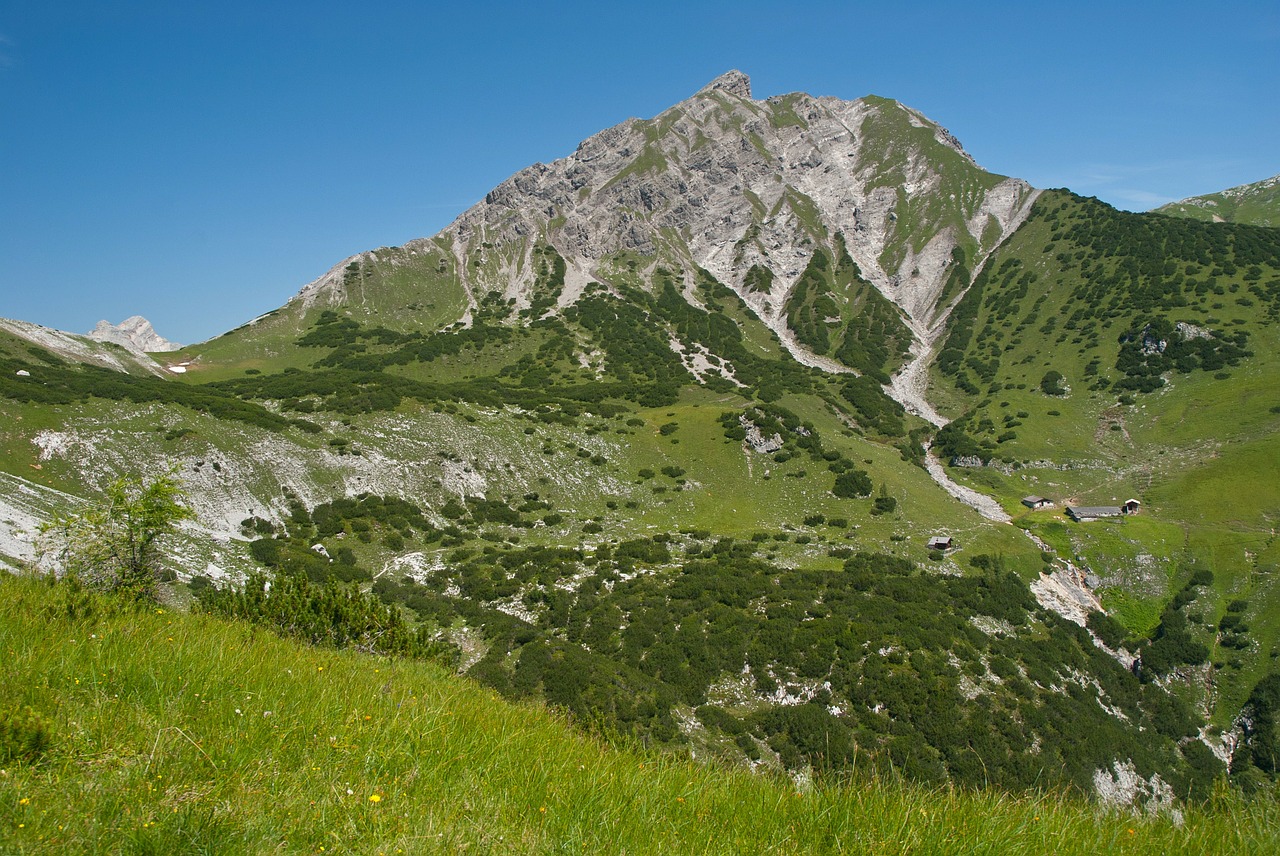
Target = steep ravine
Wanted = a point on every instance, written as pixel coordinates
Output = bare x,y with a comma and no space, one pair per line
980,502
1062,591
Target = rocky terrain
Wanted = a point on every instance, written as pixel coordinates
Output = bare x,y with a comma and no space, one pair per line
105,352
726,183
134,333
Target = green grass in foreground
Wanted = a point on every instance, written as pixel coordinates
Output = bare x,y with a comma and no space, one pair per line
176,733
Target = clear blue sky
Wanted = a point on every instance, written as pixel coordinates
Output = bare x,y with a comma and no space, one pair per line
197,163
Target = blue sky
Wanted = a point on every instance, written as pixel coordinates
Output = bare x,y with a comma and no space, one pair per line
198,163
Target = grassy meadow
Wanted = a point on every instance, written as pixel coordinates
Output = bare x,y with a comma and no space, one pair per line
181,733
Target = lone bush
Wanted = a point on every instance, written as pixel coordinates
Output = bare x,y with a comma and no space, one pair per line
24,735
115,545
1051,383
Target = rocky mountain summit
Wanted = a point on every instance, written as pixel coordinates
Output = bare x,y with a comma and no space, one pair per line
134,333
747,190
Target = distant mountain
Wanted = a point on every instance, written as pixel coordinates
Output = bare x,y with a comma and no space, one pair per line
92,350
134,333
1257,204
746,190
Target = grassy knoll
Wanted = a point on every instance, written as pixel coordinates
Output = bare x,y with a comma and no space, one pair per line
404,288
177,733
1257,203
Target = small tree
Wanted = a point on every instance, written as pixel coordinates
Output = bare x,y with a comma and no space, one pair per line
1051,383
852,483
884,504
114,546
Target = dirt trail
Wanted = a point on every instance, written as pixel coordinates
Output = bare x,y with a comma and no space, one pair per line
908,386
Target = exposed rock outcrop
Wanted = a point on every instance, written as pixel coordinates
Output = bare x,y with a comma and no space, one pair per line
83,349
134,333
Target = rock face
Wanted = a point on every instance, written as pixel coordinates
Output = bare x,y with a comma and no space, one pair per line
732,185
134,333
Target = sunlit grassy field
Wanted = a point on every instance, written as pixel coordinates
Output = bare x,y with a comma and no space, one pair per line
174,733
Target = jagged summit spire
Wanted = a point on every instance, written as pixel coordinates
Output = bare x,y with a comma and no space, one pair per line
134,333
733,82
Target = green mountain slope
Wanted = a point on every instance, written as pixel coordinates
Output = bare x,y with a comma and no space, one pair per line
621,435
573,558
399,287
20,341
171,732
1102,356
1256,204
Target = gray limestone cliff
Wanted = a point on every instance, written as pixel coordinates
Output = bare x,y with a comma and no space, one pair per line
134,333
725,182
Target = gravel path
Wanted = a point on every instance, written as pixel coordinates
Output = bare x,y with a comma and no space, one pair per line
980,502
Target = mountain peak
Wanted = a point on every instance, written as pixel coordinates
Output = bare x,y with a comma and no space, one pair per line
724,184
134,333
733,82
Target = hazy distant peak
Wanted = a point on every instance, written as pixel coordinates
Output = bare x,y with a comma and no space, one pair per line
134,333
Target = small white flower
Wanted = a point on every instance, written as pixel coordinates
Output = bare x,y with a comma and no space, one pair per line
238,713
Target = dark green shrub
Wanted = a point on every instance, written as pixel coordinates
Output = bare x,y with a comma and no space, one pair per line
1051,383
24,735
853,483
884,504
1110,631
